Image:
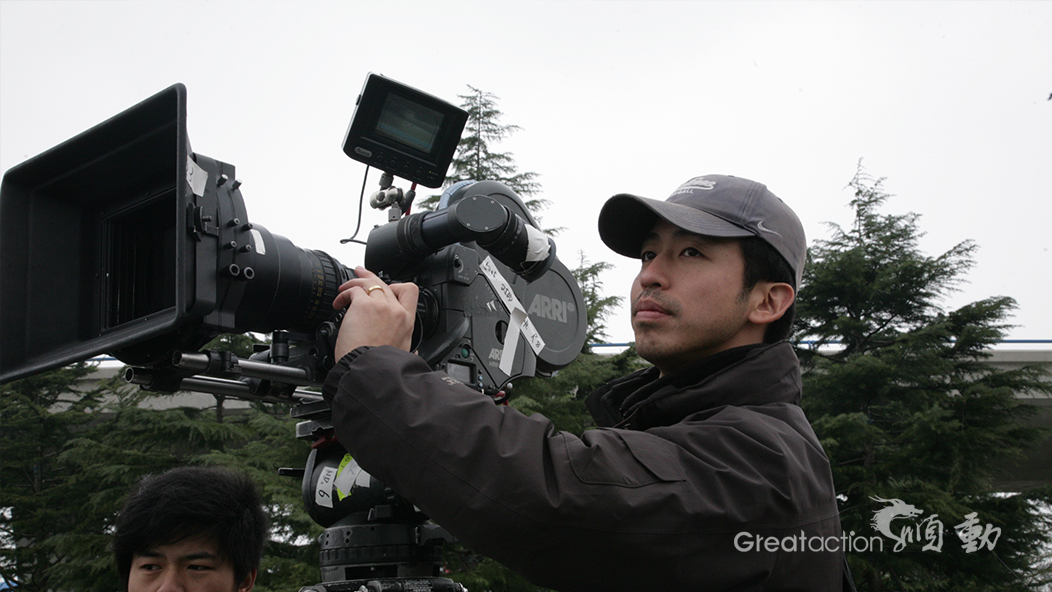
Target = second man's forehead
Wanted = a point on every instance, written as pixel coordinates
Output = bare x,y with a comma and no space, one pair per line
662,227
189,556
201,546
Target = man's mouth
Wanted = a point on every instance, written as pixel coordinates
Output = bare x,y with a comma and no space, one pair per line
649,309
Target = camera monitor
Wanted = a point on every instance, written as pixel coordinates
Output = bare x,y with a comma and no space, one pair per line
403,131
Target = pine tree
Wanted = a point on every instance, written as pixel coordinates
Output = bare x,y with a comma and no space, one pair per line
68,459
475,159
37,498
897,392
599,306
290,558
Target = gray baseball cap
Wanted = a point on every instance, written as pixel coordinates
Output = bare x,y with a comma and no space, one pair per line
712,205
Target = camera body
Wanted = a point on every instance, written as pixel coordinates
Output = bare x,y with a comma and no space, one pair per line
123,241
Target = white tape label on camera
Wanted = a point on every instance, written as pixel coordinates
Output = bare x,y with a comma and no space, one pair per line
351,477
257,241
518,322
323,490
196,177
538,247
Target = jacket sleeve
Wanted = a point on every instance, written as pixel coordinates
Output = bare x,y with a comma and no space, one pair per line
558,508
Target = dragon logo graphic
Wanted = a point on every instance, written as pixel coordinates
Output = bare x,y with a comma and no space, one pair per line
898,509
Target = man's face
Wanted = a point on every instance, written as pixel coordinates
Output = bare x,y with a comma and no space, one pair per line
686,300
190,565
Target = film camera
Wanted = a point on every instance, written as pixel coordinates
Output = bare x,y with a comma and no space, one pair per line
158,257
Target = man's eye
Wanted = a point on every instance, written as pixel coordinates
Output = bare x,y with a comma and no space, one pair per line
647,255
198,567
691,252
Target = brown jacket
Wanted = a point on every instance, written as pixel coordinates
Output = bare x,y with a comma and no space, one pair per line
661,503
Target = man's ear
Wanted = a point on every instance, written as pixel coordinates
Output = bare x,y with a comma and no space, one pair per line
249,582
770,301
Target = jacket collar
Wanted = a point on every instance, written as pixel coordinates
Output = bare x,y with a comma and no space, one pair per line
749,375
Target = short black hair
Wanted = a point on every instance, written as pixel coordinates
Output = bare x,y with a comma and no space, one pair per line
764,264
191,501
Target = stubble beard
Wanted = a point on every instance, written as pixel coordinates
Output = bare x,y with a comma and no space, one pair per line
649,343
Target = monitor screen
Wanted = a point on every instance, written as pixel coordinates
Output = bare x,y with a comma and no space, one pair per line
403,131
409,123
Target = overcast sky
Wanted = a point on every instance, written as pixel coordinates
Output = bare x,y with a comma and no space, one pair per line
948,101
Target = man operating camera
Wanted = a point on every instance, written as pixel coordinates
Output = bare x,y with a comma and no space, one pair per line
707,444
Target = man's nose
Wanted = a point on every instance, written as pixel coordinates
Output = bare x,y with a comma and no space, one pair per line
174,580
655,273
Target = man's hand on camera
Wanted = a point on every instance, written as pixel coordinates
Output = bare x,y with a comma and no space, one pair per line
377,314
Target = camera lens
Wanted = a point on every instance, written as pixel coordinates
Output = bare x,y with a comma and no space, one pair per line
291,289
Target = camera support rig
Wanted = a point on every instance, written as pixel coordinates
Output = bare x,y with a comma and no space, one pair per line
392,197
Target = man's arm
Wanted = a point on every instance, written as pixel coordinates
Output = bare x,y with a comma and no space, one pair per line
564,509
